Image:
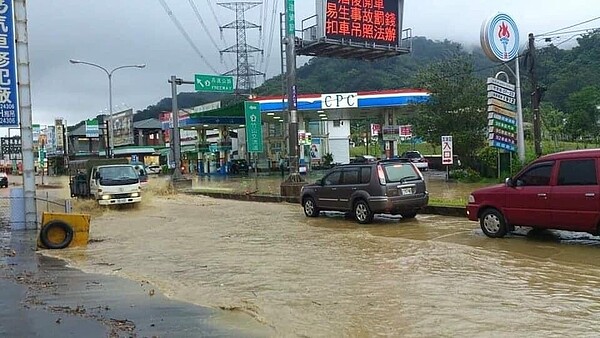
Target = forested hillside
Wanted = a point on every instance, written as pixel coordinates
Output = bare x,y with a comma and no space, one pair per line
562,72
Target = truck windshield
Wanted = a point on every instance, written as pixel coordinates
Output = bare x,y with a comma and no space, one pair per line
118,175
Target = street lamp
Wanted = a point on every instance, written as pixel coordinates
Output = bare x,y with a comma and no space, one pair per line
109,73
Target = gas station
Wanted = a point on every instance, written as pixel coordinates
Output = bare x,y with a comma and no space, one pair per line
325,117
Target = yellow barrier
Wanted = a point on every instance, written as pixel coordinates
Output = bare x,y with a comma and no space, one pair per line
64,230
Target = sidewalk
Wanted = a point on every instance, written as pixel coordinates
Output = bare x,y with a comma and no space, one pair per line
40,297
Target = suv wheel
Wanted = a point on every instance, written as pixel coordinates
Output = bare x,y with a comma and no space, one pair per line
408,215
310,208
362,212
492,223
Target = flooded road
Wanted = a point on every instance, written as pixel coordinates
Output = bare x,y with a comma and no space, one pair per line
328,276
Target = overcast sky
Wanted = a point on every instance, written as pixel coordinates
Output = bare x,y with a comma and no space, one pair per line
117,32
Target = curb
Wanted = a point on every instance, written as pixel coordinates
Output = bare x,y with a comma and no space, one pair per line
250,197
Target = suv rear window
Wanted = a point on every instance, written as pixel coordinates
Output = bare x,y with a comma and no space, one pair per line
399,172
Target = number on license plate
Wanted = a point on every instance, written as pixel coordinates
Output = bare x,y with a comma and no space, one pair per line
407,191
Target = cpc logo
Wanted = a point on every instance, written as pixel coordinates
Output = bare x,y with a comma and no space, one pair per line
333,101
500,38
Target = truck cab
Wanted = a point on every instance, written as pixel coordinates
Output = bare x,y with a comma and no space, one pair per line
115,184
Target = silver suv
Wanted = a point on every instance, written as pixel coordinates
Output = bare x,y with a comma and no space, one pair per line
382,187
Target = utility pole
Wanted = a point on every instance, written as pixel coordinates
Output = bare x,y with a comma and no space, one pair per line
176,143
535,99
22,51
292,97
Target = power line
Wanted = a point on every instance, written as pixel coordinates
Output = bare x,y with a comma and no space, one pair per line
583,30
185,34
199,17
271,32
571,26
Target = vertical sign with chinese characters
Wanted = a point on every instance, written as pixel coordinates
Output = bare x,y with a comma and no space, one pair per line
290,17
254,135
9,102
447,153
502,114
372,21
59,132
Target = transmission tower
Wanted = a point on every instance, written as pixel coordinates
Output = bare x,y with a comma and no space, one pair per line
244,72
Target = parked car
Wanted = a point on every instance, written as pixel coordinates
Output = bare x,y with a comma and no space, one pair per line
364,189
239,166
416,157
364,159
153,169
3,180
556,191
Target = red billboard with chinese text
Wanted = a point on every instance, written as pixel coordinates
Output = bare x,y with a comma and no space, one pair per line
371,21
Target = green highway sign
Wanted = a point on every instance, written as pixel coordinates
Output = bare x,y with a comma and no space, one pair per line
213,83
254,135
290,17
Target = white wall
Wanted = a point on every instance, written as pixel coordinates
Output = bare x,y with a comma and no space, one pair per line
339,146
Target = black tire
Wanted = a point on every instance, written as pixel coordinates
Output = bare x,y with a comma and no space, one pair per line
362,212
408,215
310,207
56,224
492,223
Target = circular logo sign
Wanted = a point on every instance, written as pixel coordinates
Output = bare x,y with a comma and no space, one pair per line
500,38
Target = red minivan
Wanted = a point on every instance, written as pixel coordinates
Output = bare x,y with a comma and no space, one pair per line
556,191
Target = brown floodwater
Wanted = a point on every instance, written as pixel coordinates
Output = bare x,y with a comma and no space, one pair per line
328,276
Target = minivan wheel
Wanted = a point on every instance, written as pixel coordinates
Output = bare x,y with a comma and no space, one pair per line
362,212
310,208
492,223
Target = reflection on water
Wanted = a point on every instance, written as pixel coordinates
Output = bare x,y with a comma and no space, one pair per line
328,276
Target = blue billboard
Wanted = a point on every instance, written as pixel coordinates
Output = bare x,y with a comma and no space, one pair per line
9,103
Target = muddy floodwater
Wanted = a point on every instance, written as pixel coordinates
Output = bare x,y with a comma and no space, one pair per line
328,276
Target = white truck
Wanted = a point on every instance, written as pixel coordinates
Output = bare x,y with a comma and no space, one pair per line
108,181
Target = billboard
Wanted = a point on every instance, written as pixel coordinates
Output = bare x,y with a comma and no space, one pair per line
376,22
9,102
122,123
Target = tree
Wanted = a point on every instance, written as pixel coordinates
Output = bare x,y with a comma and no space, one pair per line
582,112
553,121
457,106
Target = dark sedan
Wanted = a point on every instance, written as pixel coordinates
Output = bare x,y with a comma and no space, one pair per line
239,166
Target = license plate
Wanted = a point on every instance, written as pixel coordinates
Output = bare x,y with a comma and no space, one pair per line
122,200
407,191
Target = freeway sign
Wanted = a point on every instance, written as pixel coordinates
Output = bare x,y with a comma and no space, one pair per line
254,135
213,83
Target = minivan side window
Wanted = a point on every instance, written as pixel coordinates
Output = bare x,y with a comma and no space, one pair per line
333,178
577,172
350,176
538,175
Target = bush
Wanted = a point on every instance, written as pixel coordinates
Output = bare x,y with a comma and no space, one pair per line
465,175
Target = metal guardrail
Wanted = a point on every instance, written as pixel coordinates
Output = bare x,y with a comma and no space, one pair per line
43,201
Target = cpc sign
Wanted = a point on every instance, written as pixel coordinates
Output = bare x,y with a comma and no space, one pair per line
500,38
343,100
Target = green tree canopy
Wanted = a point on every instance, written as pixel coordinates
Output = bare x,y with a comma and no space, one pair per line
457,106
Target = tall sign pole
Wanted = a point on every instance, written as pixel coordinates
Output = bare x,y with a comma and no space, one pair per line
24,100
292,97
500,42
